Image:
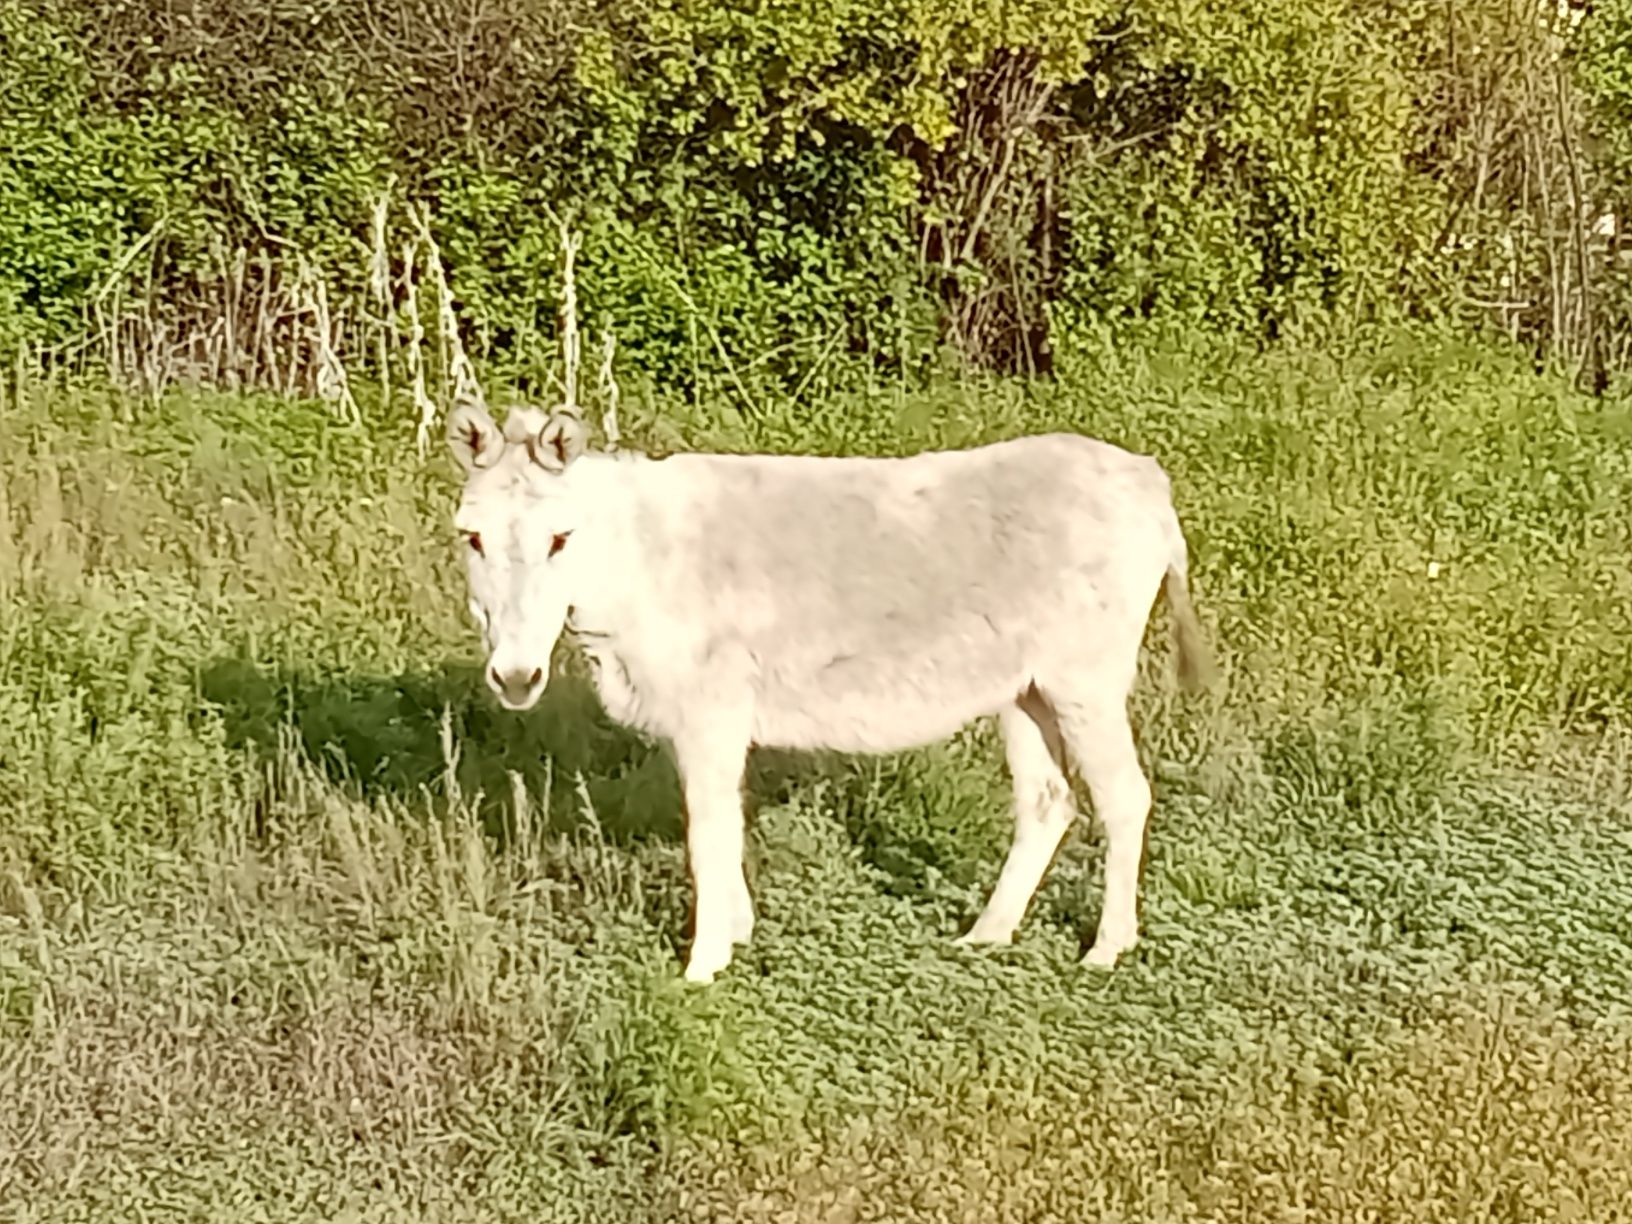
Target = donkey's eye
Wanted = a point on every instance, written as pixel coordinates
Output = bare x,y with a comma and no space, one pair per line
558,541
475,540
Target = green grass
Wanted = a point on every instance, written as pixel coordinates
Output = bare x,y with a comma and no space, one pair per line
296,924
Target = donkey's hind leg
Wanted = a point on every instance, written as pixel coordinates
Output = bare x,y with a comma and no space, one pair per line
1099,740
1043,811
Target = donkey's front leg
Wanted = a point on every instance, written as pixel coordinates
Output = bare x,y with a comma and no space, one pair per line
711,767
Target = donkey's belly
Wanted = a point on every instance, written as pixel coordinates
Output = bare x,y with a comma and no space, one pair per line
858,705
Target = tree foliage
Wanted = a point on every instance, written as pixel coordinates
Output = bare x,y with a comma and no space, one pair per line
796,194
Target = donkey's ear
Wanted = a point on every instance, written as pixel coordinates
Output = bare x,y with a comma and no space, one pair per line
563,438
473,437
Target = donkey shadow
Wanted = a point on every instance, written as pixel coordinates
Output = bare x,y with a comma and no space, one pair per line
420,736
388,737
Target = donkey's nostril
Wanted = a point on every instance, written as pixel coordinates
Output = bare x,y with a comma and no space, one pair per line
515,685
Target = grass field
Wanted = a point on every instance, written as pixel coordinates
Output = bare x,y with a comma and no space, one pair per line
296,924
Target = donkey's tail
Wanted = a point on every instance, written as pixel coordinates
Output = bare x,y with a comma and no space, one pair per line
1195,662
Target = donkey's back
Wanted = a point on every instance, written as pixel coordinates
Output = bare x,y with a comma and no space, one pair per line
878,603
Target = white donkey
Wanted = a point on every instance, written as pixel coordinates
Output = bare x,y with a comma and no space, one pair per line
862,605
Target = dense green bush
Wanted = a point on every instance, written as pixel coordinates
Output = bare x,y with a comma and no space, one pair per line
1604,66
800,195
1265,178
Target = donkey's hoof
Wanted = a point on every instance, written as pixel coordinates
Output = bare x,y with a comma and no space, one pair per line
1104,954
706,962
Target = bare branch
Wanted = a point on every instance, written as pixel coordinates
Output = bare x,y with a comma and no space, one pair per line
609,391
570,342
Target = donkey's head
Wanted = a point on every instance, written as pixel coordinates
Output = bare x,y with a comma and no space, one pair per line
518,516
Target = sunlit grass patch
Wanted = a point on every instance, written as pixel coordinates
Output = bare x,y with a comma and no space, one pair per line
295,921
